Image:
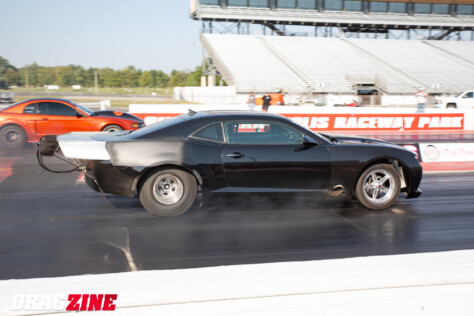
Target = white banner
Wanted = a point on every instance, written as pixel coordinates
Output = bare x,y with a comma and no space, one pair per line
446,152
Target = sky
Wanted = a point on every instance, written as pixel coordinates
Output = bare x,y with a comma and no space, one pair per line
146,34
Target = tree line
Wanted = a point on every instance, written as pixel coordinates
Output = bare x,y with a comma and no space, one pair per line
35,75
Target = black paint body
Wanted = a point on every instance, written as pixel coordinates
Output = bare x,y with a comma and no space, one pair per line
316,166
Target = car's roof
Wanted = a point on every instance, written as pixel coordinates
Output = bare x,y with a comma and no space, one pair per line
189,122
231,114
46,98
37,99
40,99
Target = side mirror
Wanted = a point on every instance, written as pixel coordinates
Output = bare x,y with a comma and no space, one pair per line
79,115
308,142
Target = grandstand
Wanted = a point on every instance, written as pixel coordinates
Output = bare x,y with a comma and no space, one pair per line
271,63
245,62
358,47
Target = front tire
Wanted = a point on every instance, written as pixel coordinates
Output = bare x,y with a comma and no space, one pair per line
168,192
378,187
12,136
112,128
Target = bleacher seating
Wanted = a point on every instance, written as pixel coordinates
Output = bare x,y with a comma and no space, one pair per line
335,65
463,49
430,66
268,63
249,64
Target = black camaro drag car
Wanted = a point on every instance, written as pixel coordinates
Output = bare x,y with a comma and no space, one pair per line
235,152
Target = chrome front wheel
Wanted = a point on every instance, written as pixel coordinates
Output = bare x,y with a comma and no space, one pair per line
378,187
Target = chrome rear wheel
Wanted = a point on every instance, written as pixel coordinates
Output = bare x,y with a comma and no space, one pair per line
167,192
168,189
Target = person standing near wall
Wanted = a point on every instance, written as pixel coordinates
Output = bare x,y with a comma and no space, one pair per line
421,100
251,101
266,99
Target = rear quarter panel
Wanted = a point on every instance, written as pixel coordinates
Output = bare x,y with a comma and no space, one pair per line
201,158
146,153
25,121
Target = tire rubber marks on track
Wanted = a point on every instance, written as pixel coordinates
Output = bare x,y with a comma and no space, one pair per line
6,169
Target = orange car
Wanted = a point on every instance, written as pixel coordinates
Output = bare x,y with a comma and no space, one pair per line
277,99
32,119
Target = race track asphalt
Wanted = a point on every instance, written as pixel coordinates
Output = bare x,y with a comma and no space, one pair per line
53,225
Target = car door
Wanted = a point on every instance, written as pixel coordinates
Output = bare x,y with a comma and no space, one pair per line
267,156
59,118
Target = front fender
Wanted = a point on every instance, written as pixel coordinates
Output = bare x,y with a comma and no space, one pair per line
349,161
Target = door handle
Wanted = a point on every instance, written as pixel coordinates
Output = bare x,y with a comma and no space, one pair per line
236,155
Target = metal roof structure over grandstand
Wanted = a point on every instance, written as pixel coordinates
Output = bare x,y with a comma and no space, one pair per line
440,17
336,65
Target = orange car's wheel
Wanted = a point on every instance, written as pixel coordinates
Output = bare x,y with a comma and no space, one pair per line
12,136
112,128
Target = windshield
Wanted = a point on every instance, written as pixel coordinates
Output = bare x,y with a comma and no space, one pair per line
83,108
459,94
308,130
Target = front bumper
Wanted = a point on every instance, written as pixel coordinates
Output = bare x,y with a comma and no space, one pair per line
415,175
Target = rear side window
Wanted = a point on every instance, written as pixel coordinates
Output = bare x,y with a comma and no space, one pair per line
212,132
30,109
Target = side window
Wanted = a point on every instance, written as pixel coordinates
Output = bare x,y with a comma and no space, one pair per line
211,132
30,109
261,133
468,95
54,108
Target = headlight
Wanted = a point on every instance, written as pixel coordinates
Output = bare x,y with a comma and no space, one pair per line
138,125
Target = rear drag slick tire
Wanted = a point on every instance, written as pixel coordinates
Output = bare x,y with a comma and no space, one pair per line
168,192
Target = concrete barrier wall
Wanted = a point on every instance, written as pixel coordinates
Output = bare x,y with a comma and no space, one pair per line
415,284
334,119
